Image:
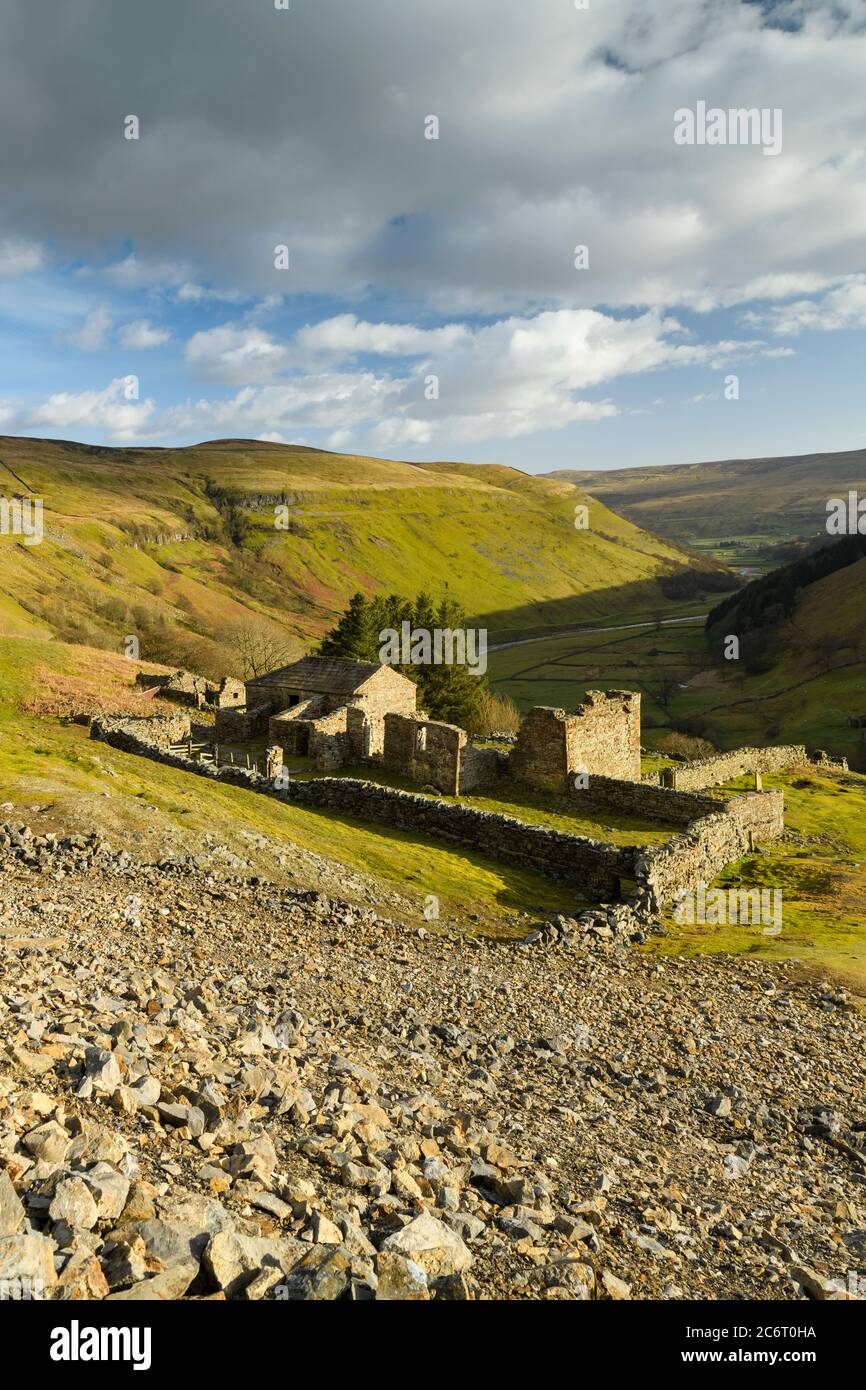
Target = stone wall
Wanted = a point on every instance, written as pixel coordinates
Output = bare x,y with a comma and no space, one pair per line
329,744
641,799
130,731
723,767
593,868
239,725
480,767
602,736
291,727
230,695
424,751
709,845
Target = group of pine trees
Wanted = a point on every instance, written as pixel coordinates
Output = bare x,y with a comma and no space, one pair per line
448,692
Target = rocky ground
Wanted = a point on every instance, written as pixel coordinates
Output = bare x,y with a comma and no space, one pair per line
216,1086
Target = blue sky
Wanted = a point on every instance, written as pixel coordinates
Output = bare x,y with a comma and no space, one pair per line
431,307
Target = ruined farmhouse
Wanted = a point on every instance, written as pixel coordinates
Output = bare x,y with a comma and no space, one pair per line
346,713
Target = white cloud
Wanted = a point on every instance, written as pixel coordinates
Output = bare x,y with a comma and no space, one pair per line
233,354
138,273
841,307
346,336
141,334
191,293
516,377
92,336
340,440
107,411
18,257
578,148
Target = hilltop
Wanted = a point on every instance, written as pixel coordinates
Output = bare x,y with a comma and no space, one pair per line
180,546
736,508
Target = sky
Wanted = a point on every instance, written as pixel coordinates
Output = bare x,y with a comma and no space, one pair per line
437,230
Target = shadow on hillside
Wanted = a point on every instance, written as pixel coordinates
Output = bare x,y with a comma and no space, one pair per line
621,603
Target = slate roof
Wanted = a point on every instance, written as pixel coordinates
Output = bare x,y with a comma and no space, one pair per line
324,675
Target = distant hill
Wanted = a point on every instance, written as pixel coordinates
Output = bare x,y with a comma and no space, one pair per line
179,547
762,501
760,611
801,676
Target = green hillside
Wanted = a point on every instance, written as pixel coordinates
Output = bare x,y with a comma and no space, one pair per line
813,678
737,509
180,546
53,776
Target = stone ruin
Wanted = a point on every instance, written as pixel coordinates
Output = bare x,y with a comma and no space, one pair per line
185,688
349,713
601,737
343,713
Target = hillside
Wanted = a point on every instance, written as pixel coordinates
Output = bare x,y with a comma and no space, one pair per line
812,675
179,546
758,503
799,679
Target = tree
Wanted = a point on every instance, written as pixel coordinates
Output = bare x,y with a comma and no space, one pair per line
448,691
260,648
353,635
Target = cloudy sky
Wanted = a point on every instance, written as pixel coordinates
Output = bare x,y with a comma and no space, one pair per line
432,306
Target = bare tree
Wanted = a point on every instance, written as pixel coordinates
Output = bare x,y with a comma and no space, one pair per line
259,648
663,687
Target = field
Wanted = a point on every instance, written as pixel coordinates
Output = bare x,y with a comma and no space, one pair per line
53,776
817,681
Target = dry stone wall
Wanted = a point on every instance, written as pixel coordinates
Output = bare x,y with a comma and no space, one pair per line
424,750
593,868
480,767
715,839
709,845
723,767
602,736
129,731
239,725
641,799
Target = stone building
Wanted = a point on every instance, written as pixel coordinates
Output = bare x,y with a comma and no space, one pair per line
186,688
438,755
330,709
602,736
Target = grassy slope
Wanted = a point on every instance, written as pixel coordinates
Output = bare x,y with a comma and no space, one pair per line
132,536
56,779
821,872
799,697
757,500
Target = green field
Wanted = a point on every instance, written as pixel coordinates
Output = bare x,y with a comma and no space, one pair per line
806,697
57,779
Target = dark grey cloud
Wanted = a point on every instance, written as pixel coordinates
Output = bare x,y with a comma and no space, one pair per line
261,126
